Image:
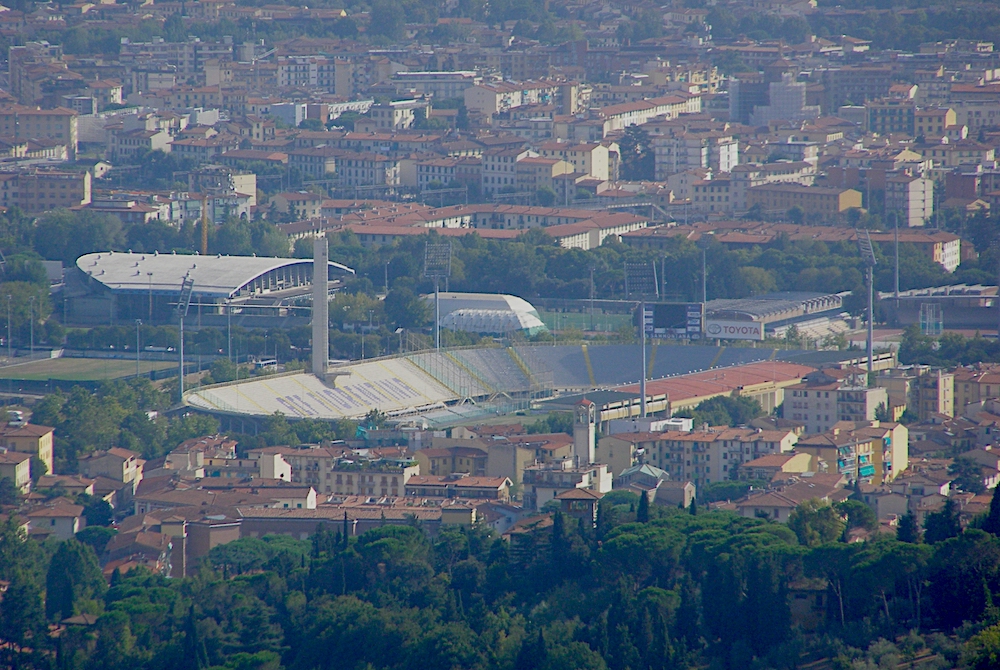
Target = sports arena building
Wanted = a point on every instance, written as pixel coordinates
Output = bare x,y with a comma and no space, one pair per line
111,287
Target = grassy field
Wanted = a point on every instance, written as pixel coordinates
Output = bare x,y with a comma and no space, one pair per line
606,323
79,369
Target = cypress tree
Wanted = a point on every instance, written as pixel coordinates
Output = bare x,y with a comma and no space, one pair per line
992,522
642,514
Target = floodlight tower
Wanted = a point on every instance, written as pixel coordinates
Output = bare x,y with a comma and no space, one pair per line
437,265
868,255
187,286
640,282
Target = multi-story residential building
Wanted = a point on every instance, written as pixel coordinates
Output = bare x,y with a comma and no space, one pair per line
391,116
934,121
875,452
678,152
16,467
534,172
911,198
453,459
382,477
961,153
188,57
786,102
814,401
544,482
315,162
43,190
128,145
935,393
29,439
701,456
459,485
860,403
367,169
115,463
442,85
812,200
745,176
500,169
891,115
712,195
594,159
57,124
301,205
976,384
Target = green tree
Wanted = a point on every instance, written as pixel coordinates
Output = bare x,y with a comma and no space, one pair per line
968,475
22,617
406,309
642,512
982,652
74,582
388,19
943,524
991,524
637,159
815,522
8,491
908,530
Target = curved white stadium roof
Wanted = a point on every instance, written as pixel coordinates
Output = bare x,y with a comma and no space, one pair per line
487,313
218,276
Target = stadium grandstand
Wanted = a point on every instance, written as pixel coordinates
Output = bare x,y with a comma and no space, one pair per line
448,387
110,287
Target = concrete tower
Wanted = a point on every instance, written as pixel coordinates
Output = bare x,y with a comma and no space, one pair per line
320,307
584,432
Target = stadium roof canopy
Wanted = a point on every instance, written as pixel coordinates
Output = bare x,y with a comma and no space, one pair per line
493,313
214,276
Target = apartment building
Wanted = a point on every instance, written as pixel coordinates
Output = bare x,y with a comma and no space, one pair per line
542,483
701,456
36,190
590,158
301,205
976,384
534,172
859,403
745,176
315,162
442,85
812,200
16,467
875,452
911,197
500,169
26,123
712,195
367,169
689,150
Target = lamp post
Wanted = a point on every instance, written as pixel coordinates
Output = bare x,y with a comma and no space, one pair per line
31,308
9,356
138,322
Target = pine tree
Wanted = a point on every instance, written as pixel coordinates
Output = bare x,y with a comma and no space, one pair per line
907,530
642,514
992,522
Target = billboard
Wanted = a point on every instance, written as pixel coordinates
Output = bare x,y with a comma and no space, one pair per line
734,330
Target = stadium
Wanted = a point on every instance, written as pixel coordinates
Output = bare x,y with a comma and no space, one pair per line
113,287
442,388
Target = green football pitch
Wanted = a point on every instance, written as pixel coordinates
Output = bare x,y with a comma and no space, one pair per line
79,369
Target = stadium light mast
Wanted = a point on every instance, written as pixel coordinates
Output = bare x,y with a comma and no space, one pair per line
437,265
187,286
640,281
868,256
320,307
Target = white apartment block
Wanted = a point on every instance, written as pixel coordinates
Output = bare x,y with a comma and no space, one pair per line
912,198
690,150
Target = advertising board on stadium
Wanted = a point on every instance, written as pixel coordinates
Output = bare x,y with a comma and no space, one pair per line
734,330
